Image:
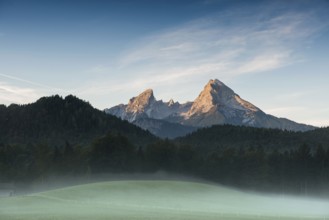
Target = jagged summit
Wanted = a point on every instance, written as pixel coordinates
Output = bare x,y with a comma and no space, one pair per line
215,82
171,102
216,104
145,105
218,89
217,95
214,93
142,101
147,93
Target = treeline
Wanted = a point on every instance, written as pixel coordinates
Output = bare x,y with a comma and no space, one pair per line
300,171
58,136
221,136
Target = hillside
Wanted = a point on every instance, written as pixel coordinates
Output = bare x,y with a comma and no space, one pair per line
157,200
56,121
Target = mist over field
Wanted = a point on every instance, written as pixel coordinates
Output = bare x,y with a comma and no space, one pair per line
57,182
158,199
153,196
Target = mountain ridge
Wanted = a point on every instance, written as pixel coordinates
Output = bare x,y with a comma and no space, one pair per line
216,104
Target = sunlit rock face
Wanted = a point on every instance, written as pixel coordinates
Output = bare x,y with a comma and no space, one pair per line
146,106
216,104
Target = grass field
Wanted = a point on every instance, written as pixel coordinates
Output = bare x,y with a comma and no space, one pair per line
172,200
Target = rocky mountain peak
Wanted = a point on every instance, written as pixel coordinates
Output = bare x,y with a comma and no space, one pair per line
215,82
171,102
222,95
146,95
214,93
219,91
143,100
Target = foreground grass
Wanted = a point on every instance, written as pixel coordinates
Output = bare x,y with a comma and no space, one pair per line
134,200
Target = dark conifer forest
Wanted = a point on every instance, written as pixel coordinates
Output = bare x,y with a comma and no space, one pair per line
58,136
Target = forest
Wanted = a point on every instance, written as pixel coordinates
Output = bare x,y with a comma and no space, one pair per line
67,137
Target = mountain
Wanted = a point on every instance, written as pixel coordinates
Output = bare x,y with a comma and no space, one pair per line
146,106
152,115
55,120
216,104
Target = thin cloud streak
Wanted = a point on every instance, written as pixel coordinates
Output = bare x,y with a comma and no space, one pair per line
22,91
12,94
284,110
99,69
26,81
224,46
264,62
210,47
318,123
301,114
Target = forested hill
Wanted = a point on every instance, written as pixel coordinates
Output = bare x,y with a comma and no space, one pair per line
55,121
58,136
228,136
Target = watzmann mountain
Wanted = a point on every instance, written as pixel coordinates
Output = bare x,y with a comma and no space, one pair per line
216,104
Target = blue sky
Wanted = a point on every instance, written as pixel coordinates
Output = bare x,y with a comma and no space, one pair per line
274,54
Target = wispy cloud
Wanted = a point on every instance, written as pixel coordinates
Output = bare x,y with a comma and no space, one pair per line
296,95
224,45
25,81
98,69
14,94
301,114
264,62
18,90
289,110
228,45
